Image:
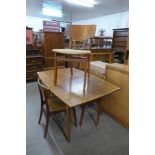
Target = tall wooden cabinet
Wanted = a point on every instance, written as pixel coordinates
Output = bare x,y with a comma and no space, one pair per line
120,44
49,41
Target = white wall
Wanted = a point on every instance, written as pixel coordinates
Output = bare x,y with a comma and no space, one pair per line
35,23
108,22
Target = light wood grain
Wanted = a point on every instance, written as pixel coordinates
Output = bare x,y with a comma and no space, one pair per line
80,32
70,89
117,104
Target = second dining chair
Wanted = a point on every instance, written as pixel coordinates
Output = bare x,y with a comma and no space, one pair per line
79,54
98,110
51,105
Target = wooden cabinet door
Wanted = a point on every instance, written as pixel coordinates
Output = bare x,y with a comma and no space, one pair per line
53,41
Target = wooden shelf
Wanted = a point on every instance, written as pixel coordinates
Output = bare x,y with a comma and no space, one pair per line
120,44
34,62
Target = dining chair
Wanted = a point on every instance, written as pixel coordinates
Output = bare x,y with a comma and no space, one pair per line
78,35
98,102
80,38
51,105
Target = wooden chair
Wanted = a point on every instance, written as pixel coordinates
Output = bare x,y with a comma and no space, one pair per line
98,111
51,105
80,34
77,34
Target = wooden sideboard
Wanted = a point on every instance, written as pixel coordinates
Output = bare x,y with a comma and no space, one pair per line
101,41
101,54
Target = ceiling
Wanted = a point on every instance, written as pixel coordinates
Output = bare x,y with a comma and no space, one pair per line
74,12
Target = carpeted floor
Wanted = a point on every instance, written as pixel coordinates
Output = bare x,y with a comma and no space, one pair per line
108,138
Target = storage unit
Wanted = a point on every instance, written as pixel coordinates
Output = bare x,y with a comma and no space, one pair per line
49,41
34,62
120,45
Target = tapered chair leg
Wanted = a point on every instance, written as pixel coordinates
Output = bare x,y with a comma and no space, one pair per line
82,114
74,115
98,113
41,112
71,66
88,66
85,76
71,69
46,128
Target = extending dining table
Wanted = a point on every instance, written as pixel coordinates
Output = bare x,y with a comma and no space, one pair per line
69,89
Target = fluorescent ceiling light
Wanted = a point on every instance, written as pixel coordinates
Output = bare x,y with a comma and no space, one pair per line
52,12
52,9
86,3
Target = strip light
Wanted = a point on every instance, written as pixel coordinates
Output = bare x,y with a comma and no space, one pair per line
86,3
52,12
52,9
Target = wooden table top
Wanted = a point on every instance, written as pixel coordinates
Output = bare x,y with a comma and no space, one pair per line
70,90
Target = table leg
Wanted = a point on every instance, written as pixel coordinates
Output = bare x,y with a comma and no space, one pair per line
68,123
82,114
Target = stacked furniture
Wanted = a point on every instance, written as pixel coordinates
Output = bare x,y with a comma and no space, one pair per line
34,62
120,45
78,36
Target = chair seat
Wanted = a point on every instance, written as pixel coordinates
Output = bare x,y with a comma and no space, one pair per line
71,51
55,104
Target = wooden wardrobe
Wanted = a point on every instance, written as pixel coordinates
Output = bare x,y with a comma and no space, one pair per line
49,41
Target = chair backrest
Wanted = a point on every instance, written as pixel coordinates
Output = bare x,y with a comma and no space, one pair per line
80,33
44,93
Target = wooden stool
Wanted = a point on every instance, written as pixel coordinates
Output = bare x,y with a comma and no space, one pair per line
71,55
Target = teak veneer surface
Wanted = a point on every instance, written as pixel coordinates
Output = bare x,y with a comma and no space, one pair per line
70,89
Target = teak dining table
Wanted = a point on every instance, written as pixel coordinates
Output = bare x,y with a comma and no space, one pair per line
70,89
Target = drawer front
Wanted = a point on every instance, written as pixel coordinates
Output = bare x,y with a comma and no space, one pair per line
119,44
120,39
34,60
33,67
121,33
31,75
